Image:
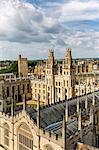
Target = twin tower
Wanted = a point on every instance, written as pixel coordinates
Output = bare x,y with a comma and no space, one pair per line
60,78
57,81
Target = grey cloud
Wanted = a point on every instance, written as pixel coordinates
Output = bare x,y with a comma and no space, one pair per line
55,29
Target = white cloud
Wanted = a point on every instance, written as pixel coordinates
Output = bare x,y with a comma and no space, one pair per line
22,22
35,29
79,10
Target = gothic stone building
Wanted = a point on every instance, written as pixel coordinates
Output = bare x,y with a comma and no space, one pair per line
15,88
58,83
54,127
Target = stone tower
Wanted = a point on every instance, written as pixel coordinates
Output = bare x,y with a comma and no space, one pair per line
69,57
50,77
22,67
68,72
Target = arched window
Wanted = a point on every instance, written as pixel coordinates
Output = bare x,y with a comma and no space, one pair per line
6,136
25,138
48,147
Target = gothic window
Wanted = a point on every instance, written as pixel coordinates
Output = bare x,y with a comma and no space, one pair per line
6,135
43,86
48,88
43,91
35,84
25,138
82,91
65,90
59,90
67,83
64,82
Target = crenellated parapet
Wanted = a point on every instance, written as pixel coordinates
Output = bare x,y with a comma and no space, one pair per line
51,136
5,116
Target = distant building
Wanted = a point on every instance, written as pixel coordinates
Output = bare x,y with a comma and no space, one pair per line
57,82
22,67
15,88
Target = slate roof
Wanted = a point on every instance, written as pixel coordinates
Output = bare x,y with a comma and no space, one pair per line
51,116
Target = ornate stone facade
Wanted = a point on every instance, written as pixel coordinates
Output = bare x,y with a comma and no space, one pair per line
57,83
48,129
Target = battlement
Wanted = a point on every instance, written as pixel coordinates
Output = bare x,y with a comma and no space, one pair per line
5,116
51,136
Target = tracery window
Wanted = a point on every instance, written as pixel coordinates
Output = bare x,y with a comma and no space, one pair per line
6,136
25,138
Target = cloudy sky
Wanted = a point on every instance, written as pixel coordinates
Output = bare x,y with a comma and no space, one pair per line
32,27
